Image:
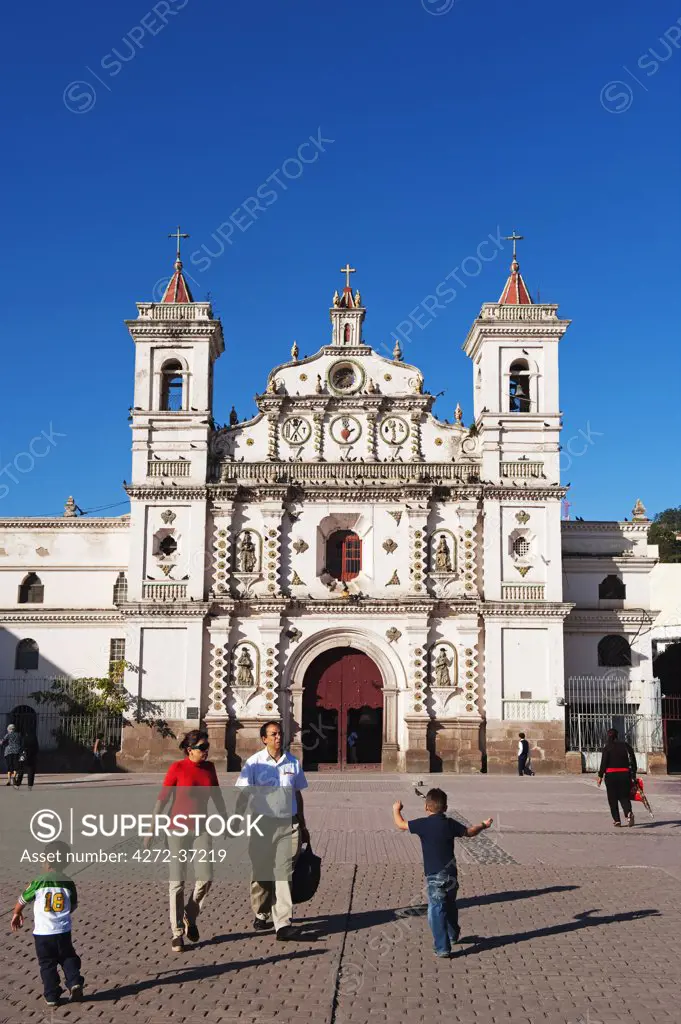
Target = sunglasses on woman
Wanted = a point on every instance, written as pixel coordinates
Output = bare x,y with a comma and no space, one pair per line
201,746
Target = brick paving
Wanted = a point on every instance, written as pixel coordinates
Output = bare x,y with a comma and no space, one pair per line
564,920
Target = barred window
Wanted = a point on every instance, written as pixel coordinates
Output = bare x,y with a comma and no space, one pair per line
116,653
612,588
521,547
120,590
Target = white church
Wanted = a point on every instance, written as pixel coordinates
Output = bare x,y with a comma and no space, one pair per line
400,591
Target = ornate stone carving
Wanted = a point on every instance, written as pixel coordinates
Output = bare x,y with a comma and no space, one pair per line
397,351
248,556
296,580
294,634
443,556
639,512
389,545
295,430
522,517
397,516
70,508
458,414
244,677
441,667
392,634
300,545
523,569
294,351
394,580
168,517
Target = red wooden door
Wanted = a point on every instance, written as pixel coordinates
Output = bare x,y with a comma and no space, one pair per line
343,697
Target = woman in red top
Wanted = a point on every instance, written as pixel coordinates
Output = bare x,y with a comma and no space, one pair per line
184,782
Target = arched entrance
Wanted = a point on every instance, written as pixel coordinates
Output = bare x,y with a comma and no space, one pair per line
342,721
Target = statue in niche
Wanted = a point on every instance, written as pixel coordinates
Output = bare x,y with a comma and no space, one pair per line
443,557
442,664
247,554
244,670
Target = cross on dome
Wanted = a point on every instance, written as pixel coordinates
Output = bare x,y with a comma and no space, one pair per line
347,270
178,235
177,289
515,292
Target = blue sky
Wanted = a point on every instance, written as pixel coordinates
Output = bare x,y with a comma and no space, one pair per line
444,123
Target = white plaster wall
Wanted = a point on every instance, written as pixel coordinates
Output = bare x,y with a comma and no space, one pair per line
69,649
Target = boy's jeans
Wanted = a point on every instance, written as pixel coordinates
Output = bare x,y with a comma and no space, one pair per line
54,951
443,916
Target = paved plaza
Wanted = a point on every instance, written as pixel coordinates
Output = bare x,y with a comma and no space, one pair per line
565,920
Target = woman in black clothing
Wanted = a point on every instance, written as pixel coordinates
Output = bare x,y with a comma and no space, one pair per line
27,760
618,765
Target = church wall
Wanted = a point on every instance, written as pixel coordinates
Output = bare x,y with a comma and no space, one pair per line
66,649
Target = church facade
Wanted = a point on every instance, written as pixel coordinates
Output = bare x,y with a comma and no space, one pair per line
399,590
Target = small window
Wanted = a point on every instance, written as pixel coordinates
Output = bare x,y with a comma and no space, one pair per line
116,653
31,590
521,547
344,555
27,655
519,387
171,386
614,651
168,546
612,589
120,590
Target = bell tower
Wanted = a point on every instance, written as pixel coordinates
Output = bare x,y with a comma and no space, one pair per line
513,345
177,341
347,315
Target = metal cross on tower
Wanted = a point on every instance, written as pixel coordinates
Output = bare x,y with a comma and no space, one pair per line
347,270
514,238
178,235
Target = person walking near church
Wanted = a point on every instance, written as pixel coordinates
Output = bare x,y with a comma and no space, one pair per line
191,783
618,767
12,747
523,756
283,825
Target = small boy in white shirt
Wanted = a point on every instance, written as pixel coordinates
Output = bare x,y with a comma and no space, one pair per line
54,899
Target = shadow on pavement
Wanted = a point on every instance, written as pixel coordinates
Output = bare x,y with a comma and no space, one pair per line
582,920
316,928
180,975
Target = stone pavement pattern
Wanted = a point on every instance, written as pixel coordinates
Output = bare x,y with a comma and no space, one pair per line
564,919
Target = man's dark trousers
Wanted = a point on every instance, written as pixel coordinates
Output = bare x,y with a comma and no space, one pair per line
54,951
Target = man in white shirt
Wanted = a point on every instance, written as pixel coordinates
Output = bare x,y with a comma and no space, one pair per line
284,825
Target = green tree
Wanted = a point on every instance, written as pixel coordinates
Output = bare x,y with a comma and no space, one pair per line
665,528
98,704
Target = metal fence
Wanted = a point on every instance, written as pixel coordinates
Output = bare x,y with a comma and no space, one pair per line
613,700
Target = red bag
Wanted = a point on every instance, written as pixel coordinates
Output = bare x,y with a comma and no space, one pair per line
636,790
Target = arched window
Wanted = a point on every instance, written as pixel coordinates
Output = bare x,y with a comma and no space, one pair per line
614,651
612,589
344,555
519,386
120,590
27,654
347,334
171,386
31,590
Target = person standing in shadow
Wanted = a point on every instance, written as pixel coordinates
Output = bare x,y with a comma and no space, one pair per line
27,760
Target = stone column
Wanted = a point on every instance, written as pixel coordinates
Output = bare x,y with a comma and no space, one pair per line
417,758
318,441
371,437
389,752
457,744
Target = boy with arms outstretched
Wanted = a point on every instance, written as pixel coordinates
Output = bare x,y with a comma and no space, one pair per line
437,833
